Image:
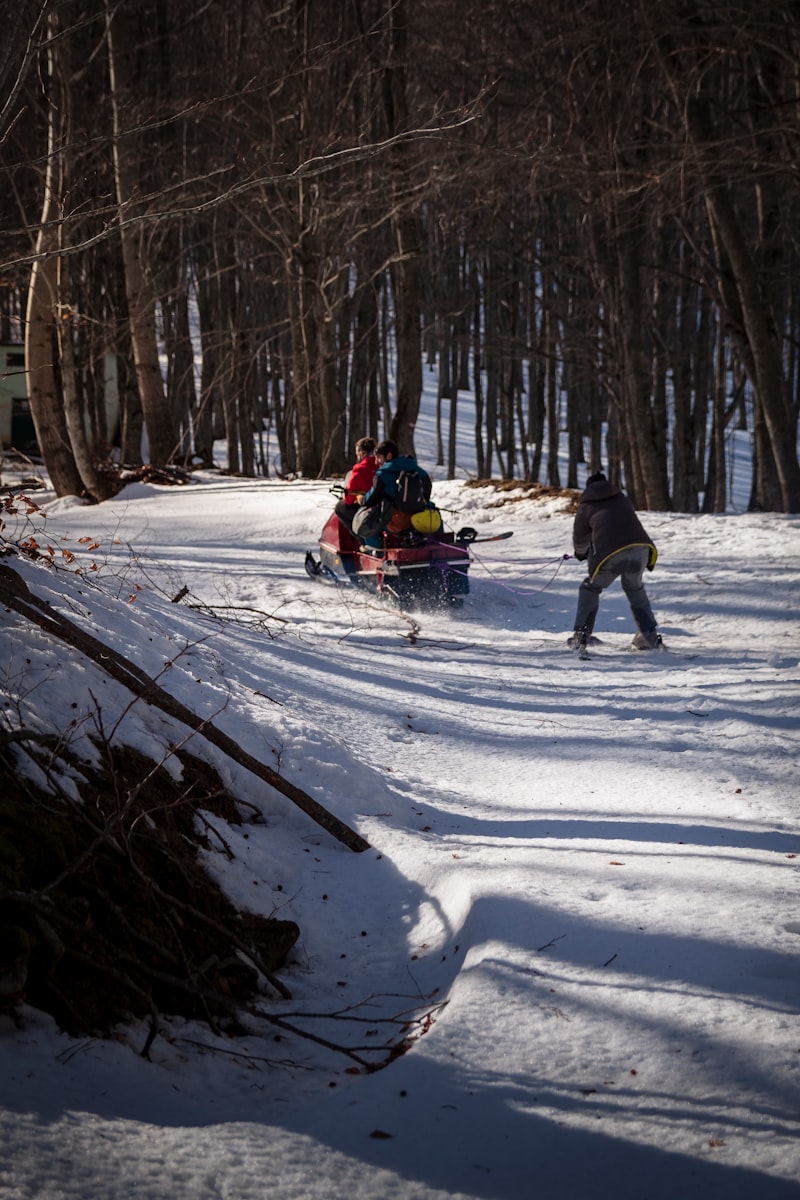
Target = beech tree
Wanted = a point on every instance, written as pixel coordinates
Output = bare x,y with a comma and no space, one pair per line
124,36
50,415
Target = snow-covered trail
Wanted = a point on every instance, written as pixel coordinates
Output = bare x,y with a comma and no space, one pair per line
594,864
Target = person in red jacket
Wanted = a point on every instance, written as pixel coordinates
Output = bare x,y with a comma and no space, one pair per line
608,533
358,481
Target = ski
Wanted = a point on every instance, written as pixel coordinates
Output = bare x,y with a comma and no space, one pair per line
493,537
663,654
581,652
581,649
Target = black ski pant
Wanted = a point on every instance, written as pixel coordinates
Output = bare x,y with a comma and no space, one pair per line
629,566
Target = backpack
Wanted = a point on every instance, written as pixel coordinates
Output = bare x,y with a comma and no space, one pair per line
410,494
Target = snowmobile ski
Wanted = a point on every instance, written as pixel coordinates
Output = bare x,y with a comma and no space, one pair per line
496,537
471,535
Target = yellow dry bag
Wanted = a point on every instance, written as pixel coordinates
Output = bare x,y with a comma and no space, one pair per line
427,521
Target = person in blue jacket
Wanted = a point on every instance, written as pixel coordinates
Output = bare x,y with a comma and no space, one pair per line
384,487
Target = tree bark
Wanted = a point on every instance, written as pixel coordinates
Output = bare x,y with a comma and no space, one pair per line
139,286
406,274
646,485
45,400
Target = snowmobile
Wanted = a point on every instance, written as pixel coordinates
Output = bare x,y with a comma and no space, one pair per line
415,569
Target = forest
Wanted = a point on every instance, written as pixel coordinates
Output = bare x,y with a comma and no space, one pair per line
281,217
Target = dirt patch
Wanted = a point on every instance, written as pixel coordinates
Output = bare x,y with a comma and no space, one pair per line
527,491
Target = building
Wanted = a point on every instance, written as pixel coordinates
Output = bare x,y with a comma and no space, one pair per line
16,423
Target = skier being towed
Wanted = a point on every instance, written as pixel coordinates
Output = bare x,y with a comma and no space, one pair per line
608,532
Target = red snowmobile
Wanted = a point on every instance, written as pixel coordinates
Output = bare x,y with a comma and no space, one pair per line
416,569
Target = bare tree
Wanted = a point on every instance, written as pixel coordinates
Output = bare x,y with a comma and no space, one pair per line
139,283
47,408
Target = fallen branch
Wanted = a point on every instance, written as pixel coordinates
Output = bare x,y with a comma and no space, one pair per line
7,736
14,593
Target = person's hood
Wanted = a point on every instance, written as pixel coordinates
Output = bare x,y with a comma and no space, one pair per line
403,462
601,490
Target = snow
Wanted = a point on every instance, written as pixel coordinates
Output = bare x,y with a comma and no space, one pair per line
582,878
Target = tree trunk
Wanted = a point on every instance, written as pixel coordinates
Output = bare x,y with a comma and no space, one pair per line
139,287
477,366
407,299
331,313
646,483
40,339
406,274
677,319
46,407
303,338
180,357
94,483
364,369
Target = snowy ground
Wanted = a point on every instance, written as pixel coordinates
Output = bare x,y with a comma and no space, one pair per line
595,865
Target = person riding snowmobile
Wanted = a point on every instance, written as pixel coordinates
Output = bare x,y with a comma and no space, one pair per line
384,490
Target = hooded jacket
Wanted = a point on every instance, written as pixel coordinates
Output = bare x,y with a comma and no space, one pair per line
360,479
605,523
385,484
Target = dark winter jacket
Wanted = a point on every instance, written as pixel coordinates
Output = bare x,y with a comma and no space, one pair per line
606,522
385,484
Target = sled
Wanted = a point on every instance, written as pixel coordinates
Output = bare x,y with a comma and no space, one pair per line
416,570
